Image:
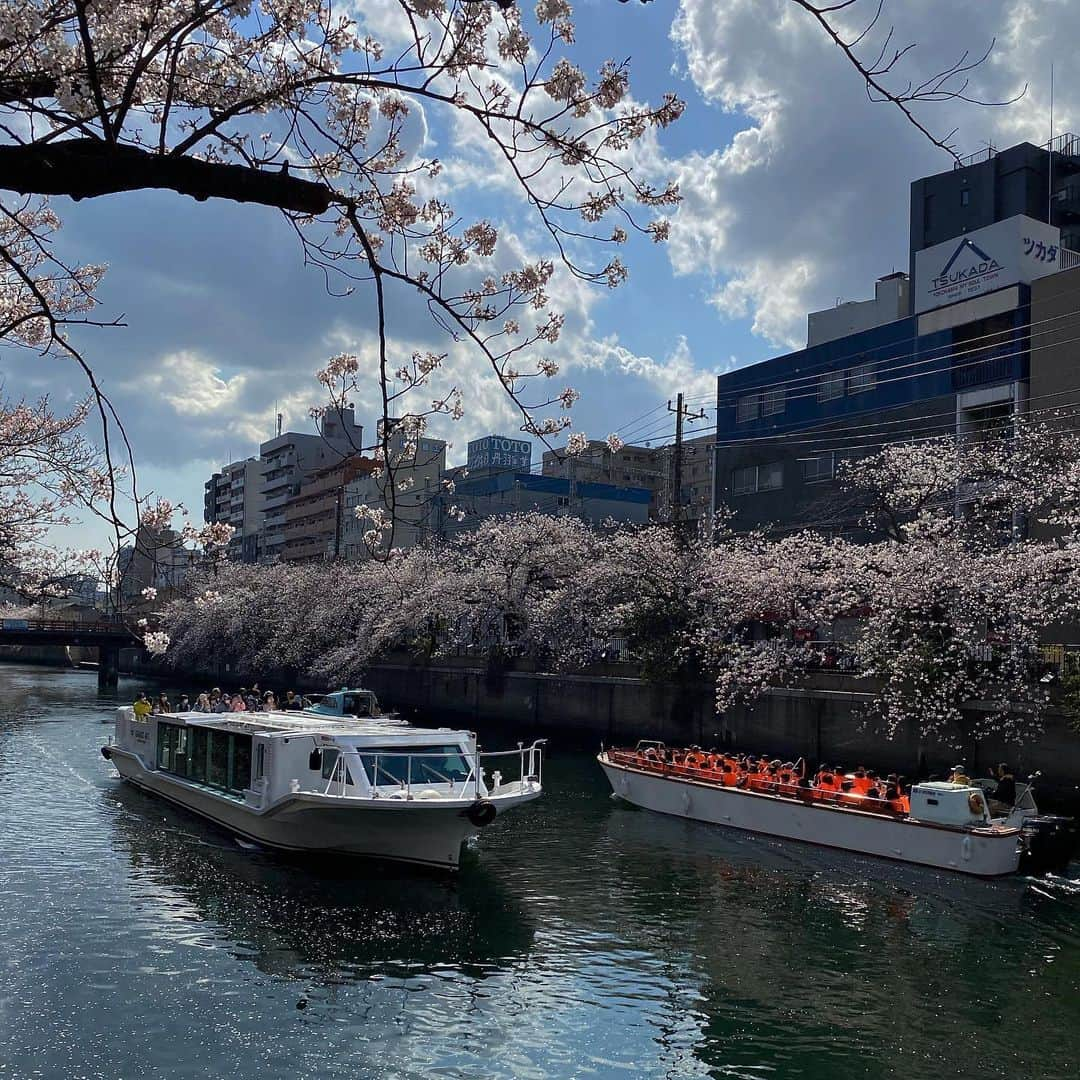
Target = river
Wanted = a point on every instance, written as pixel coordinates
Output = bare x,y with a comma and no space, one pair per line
582,938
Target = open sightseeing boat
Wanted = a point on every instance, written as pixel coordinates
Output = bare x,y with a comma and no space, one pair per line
332,783
940,824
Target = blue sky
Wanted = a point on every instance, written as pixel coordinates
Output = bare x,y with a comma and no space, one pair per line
795,194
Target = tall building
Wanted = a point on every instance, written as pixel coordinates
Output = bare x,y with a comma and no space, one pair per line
994,299
1035,181
417,475
234,496
316,516
157,559
290,457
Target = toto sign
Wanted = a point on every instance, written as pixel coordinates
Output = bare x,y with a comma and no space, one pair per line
1018,249
499,452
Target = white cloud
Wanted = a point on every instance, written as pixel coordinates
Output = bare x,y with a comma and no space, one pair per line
191,384
809,200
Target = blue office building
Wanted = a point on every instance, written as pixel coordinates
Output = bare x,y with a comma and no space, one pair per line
961,363
497,492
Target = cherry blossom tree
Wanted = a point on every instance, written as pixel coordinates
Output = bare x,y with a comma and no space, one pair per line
949,604
48,472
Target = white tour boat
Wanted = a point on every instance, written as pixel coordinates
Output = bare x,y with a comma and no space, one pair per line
948,825
299,781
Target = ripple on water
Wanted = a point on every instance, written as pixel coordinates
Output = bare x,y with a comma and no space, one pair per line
582,938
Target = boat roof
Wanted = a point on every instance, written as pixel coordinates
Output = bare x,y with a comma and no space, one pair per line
303,723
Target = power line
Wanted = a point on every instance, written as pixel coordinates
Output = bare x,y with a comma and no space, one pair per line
812,371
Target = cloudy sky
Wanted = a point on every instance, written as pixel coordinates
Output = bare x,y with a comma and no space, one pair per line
795,193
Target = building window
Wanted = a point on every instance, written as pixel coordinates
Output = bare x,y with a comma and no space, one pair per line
744,481
771,477
820,467
748,408
754,478
830,385
965,197
774,402
861,378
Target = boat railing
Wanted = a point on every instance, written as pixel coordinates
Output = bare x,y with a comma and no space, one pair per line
406,772
809,794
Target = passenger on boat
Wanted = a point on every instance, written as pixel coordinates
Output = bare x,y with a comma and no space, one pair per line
142,707
162,705
959,776
238,704
202,703
1003,797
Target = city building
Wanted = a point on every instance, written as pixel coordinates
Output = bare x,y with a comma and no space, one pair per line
158,560
315,517
234,496
892,301
291,456
994,295
639,467
417,473
698,477
1040,182
499,492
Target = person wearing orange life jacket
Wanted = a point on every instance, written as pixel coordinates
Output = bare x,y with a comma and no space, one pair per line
860,782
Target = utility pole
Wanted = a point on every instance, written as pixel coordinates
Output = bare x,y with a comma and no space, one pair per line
681,413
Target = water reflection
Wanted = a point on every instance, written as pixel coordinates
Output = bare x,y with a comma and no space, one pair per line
316,918
831,959
582,938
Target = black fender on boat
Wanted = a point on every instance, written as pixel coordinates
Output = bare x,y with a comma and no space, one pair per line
481,813
106,753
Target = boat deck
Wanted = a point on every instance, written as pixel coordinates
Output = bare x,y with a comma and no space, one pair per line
298,723
847,800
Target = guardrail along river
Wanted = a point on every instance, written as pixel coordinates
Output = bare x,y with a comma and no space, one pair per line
582,938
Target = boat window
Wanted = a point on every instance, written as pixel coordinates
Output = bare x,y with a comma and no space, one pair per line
219,759
329,762
200,746
218,763
438,764
356,705
240,772
260,761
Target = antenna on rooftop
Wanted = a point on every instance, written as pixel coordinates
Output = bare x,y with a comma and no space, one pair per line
1050,156
280,418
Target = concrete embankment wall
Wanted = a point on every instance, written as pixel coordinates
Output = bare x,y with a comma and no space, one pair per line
46,655
819,721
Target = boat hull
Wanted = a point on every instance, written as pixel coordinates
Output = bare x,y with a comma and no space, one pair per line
983,854
421,833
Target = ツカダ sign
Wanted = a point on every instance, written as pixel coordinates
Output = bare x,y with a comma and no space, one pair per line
1018,249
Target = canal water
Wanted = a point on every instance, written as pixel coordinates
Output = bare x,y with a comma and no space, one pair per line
582,938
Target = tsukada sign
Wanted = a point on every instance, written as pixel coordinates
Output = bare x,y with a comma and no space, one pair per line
1016,250
497,451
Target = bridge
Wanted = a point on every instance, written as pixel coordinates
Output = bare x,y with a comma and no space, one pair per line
108,637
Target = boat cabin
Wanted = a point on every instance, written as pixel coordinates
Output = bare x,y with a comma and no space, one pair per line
258,757
359,703
943,803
